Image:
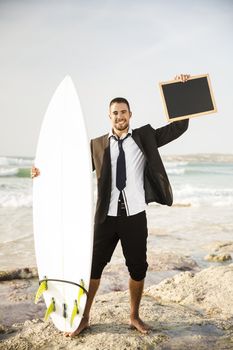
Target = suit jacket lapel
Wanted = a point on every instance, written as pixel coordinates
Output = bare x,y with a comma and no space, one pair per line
106,142
107,157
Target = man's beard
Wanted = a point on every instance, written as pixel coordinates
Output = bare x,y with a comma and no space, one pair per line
121,127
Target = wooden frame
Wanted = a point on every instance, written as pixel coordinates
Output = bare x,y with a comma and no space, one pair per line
187,100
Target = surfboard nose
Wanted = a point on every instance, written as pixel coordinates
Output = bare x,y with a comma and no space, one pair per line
67,80
66,84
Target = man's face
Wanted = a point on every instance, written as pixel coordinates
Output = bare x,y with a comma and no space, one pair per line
119,115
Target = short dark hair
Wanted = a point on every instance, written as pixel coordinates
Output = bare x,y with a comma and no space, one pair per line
120,100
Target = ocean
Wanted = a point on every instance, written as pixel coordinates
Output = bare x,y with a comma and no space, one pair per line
201,214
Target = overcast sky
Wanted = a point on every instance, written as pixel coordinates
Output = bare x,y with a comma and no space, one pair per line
113,48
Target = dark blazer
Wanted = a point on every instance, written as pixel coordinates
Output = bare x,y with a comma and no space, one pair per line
156,183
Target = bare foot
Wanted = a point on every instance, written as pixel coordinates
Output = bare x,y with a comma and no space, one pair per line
84,324
137,323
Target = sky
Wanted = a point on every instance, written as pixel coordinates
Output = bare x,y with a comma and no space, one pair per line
113,48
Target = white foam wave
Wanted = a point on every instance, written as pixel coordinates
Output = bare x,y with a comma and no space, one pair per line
175,164
15,200
15,193
197,196
176,171
14,161
8,171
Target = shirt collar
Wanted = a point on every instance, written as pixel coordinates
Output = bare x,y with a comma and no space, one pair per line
123,136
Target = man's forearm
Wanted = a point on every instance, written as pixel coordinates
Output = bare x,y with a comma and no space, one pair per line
170,132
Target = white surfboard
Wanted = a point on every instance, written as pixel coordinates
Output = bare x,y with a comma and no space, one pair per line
62,208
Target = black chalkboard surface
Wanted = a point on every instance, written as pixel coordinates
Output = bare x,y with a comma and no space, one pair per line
189,99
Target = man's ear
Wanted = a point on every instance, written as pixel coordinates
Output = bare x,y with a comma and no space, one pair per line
130,114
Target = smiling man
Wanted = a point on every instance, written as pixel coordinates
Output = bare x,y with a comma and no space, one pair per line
130,174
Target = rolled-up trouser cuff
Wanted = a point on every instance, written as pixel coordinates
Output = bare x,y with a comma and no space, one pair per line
138,275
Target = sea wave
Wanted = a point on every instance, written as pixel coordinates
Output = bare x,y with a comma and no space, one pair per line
176,171
183,197
15,166
16,172
9,171
15,200
197,196
193,183
16,161
20,167
199,169
171,163
15,192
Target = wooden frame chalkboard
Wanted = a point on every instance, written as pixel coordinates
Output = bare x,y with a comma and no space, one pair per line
186,100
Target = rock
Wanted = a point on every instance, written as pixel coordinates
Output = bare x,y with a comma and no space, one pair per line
2,329
24,273
218,258
165,261
209,290
222,247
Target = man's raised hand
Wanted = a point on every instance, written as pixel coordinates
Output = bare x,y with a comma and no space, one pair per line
182,77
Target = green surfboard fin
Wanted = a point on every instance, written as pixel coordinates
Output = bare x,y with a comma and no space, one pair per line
42,288
81,291
74,312
51,308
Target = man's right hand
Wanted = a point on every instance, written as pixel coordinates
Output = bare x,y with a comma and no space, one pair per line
34,172
182,77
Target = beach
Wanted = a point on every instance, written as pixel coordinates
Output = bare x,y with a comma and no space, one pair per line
192,240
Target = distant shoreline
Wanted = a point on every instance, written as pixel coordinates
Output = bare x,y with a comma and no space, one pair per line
200,157
188,156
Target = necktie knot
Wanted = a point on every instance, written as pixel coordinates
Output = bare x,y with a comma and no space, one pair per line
120,141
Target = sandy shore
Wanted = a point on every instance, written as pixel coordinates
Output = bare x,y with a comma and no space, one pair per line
192,309
187,300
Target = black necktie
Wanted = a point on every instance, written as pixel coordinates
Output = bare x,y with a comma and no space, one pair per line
121,168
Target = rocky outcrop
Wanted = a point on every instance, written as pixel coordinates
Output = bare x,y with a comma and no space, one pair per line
164,261
218,258
209,290
220,247
24,273
188,311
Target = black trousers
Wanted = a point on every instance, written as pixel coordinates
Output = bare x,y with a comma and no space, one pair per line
132,233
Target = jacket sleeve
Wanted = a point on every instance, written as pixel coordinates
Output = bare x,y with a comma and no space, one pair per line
170,132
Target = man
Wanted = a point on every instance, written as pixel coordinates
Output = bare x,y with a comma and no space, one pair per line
130,174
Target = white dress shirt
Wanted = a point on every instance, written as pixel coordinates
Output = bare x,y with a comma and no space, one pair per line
133,193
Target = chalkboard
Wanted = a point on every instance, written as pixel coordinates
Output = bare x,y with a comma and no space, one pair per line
190,99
